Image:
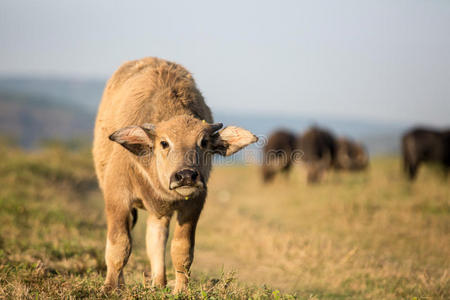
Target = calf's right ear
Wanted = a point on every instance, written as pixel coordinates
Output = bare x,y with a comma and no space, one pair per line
136,139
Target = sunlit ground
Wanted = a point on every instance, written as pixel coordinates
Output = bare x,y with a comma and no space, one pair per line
366,235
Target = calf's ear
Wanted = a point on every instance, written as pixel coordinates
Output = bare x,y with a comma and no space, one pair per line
231,139
136,139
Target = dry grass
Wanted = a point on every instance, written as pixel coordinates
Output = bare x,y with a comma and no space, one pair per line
370,235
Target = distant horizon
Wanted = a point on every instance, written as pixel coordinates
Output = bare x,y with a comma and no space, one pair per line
273,113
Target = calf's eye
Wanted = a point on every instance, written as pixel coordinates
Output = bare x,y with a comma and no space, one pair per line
164,144
204,143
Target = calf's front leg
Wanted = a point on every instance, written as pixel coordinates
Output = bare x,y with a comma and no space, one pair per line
156,239
182,248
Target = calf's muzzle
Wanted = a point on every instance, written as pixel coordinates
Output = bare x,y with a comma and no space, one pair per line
185,177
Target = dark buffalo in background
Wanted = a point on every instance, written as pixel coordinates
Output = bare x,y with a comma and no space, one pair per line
319,147
421,145
351,155
277,154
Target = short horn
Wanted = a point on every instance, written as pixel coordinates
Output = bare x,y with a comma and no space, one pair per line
149,128
216,126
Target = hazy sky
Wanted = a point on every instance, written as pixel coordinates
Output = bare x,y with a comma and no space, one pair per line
378,60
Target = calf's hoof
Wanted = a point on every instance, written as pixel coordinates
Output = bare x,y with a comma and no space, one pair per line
109,288
179,288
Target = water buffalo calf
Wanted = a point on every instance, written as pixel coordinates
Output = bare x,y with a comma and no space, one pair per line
425,145
153,143
277,154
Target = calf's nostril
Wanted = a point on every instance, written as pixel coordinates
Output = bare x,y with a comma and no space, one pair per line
194,175
178,176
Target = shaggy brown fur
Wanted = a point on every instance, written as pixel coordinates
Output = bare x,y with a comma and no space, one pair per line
277,154
351,155
319,152
153,143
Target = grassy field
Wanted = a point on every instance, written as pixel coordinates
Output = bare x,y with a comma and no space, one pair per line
370,235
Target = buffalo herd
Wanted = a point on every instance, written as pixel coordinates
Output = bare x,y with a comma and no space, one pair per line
319,150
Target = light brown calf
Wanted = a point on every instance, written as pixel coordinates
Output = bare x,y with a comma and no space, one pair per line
153,143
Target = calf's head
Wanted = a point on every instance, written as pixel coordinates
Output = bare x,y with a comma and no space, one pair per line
178,151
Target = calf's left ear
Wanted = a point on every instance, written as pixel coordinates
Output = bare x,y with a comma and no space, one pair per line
231,139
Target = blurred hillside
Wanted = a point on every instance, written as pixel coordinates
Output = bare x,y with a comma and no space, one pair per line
36,109
30,119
